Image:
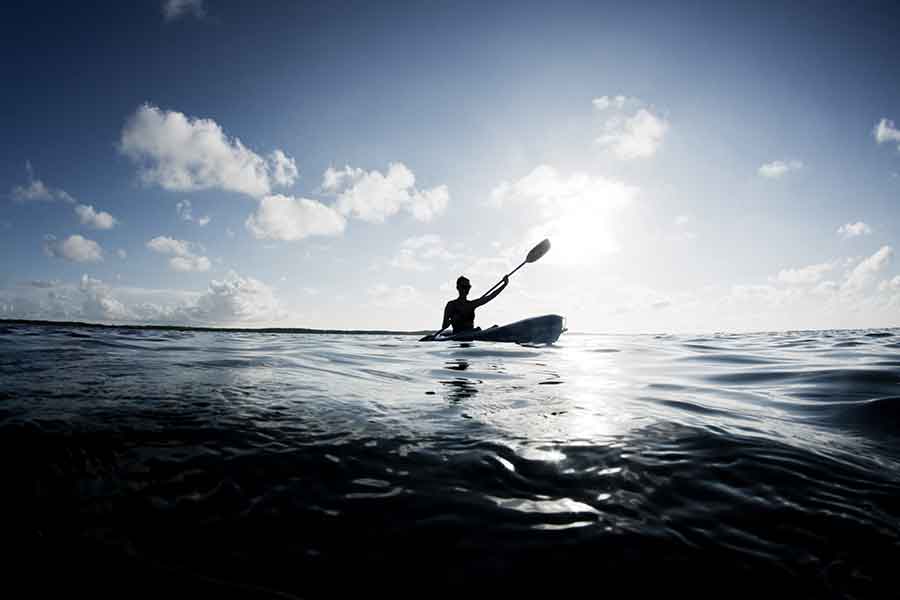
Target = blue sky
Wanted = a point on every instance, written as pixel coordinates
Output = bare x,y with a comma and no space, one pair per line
720,167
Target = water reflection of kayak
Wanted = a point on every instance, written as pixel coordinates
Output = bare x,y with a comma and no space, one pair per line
545,329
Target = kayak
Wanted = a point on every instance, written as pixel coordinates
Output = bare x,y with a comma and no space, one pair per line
545,329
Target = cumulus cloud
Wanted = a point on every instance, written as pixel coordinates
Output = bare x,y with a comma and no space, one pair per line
289,219
804,275
867,270
184,154
175,9
37,190
630,129
779,168
886,132
850,230
237,299
99,304
93,218
75,248
183,257
373,196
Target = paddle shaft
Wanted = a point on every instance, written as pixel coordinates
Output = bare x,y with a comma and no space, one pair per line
510,274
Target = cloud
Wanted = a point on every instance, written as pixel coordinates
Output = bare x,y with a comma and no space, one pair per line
850,230
289,219
373,196
578,212
174,9
183,257
605,102
804,275
74,249
779,168
892,285
419,253
185,213
37,190
630,129
185,154
866,271
98,303
682,220
121,253
237,299
92,218
886,132
40,283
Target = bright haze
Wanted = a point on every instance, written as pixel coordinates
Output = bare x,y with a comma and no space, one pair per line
707,167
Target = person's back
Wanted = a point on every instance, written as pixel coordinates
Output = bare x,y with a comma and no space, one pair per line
460,312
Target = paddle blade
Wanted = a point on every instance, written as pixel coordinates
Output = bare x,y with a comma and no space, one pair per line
538,251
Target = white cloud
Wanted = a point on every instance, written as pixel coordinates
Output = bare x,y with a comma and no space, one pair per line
189,263
37,190
605,102
229,232
850,230
892,285
186,213
183,257
75,248
885,132
629,135
867,270
121,253
682,220
237,299
804,275
92,218
283,168
577,212
289,219
373,196
99,304
174,9
779,168
185,154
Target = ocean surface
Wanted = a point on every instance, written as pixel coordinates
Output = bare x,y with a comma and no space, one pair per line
159,463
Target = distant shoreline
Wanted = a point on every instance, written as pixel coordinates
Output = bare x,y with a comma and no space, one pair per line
4,322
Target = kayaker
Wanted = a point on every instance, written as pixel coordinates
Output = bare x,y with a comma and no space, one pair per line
461,312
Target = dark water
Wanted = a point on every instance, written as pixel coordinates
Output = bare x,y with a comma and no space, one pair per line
173,464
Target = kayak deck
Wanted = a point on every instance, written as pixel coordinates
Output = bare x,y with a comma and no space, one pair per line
544,329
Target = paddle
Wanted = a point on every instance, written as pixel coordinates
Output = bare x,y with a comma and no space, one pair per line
533,256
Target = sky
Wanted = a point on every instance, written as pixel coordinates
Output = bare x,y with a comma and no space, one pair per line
697,167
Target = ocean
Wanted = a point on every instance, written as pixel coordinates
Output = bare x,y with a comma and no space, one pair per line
168,463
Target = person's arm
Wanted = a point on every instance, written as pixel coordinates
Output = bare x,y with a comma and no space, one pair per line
494,294
446,322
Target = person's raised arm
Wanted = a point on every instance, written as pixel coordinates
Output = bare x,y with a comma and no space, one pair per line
494,294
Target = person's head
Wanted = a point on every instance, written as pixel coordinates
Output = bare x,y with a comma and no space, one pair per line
463,286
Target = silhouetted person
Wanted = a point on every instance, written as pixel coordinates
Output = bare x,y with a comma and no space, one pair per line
461,312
